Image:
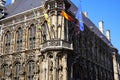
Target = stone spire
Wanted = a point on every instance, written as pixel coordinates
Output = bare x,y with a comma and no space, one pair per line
108,35
101,26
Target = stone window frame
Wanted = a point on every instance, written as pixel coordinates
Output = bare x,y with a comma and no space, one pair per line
7,42
19,37
32,36
30,69
16,71
44,32
4,70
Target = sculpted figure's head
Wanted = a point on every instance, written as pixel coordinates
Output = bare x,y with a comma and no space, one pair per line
2,2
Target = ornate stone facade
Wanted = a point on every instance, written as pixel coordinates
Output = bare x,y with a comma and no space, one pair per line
116,64
31,48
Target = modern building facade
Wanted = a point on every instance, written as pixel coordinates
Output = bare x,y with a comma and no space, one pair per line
38,43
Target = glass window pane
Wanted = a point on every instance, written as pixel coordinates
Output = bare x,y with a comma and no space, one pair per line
32,33
5,67
19,39
7,42
30,70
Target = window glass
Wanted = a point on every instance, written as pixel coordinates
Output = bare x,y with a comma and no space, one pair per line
17,70
32,37
7,42
5,68
19,39
31,66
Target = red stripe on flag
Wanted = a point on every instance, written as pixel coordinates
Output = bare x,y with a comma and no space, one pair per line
66,16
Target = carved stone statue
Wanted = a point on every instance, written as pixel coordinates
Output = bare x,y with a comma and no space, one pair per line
2,7
2,3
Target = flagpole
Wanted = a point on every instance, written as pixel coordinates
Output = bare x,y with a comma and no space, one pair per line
79,17
81,25
35,15
45,14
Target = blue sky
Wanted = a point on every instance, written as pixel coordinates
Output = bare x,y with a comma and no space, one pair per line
8,2
106,10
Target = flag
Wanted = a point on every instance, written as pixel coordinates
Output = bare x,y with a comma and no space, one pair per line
47,18
66,16
80,20
9,2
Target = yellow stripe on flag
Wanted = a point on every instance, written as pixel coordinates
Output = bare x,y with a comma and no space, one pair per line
47,18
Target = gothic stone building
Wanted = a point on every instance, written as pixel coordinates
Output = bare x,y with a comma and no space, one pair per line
116,64
35,48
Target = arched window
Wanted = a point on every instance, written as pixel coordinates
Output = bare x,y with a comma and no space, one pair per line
32,37
7,42
5,70
16,71
19,39
30,70
45,25
50,72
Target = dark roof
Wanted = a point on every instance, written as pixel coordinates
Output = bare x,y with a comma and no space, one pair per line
22,5
94,29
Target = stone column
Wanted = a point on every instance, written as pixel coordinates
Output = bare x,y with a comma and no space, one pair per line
54,67
12,42
37,37
37,64
54,23
12,47
22,67
10,68
40,66
2,40
1,44
115,67
64,60
62,28
44,69
14,36
24,44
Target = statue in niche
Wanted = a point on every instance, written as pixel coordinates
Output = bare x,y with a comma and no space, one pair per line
60,76
37,69
51,65
44,36
41,63
60,72
51,76
41,58
50,70
53,31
